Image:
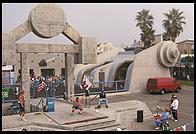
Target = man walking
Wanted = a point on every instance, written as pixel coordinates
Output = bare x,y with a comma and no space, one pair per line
174,107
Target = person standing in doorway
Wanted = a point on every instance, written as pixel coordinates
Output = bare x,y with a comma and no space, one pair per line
22,105
174,107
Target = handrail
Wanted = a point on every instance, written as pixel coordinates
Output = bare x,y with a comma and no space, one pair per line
93,93
102,82
8,101
41,100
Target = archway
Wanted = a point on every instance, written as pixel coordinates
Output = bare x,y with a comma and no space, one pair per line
47,21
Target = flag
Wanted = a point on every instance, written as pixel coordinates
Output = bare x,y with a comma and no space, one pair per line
41,86
87,82
178,129
184,128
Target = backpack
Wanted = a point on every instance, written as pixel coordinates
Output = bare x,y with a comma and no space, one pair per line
165,127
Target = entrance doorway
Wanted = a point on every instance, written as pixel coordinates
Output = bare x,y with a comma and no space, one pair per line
48,72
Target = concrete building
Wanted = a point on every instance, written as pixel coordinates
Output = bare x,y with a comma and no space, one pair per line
186,46
139,44
103,47
158,38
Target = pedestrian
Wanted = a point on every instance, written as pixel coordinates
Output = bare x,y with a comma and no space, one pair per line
102,99
188,77
77,105
162,119
174,108
22,105
171,100
85,87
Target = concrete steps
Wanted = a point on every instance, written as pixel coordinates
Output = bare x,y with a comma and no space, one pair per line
34,128
106,124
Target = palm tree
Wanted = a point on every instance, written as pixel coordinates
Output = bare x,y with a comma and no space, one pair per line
173,24
145,22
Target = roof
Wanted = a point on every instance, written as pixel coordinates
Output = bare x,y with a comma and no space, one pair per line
188,40
161,78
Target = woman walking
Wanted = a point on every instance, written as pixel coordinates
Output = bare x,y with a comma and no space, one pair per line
22,105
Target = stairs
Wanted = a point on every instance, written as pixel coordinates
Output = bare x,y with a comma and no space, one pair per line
35,128
106,124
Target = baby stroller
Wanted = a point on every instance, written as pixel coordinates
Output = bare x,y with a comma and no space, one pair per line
165,126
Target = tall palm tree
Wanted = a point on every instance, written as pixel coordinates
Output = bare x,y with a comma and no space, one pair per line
173,24
145,23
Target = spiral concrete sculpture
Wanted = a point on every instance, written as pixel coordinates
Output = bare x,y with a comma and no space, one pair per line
167,54
152,62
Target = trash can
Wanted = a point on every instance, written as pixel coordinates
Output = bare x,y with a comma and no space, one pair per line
50,104
65,96
87,102
140,116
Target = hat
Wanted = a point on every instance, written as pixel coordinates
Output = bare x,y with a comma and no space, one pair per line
174,96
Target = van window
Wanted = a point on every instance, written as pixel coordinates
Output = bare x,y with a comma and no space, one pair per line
153,81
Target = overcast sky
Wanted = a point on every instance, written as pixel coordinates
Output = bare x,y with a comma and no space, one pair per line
107,22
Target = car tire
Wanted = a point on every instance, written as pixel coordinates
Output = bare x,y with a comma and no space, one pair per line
162,92
177,90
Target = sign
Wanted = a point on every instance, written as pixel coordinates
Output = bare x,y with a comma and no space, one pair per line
7,67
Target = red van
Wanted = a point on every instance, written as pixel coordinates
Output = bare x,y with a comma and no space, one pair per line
162,85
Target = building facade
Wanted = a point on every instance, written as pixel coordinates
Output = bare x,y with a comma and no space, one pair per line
186,46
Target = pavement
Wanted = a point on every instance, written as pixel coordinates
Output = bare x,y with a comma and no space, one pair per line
120,114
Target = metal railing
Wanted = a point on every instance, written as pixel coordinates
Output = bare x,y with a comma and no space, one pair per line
42,104
107,86
10,93
58,88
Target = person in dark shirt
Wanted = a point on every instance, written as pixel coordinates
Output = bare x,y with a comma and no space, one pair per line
85,87
102,99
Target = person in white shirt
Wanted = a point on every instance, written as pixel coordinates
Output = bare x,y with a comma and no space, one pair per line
174,107
188,77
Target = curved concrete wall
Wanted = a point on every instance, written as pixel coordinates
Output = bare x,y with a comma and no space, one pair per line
101,59
128,77
94,75
114,67
84,70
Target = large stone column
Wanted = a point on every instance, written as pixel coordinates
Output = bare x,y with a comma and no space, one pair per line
24,62
69,73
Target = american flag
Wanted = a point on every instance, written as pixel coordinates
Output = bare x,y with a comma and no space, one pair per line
41,86
87,82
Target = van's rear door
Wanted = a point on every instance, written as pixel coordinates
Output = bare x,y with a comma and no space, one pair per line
152,84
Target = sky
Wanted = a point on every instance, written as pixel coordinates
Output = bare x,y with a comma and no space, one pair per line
107,22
